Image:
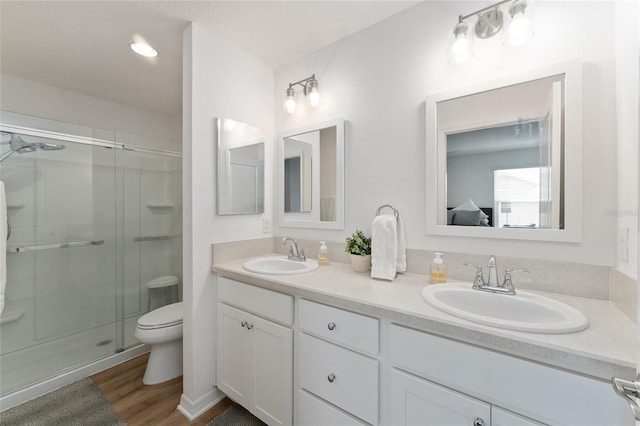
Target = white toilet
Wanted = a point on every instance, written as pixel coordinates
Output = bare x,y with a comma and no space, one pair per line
162,329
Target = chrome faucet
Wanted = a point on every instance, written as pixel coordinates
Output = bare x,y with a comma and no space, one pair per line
295,253
493,272
492,285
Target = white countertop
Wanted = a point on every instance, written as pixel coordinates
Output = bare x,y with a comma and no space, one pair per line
604,350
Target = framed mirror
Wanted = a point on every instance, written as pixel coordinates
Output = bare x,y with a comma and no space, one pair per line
311,176
504,158
240,168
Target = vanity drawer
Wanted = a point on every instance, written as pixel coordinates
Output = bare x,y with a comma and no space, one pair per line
315,412
265,303
346,328
345,378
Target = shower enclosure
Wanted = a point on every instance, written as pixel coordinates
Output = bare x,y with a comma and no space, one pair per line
91,221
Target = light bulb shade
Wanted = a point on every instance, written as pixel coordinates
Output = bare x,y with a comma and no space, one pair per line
461,49
313,96
520,29
289,104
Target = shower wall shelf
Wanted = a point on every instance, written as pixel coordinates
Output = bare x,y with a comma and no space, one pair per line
15,205
11,316
163,206
55,246
157,237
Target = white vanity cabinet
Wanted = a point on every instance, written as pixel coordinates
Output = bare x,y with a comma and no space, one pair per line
338,370
254,362
342,367
437,381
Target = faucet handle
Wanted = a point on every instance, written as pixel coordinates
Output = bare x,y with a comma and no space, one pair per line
301,255
478,280
508,283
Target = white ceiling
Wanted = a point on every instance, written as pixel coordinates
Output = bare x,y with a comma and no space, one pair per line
83,46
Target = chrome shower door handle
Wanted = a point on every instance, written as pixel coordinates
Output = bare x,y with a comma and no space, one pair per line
630,390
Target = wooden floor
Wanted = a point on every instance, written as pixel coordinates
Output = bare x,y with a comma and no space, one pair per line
139,404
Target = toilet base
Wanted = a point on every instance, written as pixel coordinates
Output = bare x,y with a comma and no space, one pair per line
165,362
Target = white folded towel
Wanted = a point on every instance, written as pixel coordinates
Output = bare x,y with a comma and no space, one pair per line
401,255
3,245
384,247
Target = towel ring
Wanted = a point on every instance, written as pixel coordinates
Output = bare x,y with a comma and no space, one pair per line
395,212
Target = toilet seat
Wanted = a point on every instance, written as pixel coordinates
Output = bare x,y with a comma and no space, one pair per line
166,316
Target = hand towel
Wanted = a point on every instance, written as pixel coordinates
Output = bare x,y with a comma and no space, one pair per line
3,245
401,255
384,247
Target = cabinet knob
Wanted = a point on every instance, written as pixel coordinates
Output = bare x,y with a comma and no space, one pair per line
478,422
243,323
331,325
331,377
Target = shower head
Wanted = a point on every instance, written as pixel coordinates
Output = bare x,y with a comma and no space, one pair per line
18,145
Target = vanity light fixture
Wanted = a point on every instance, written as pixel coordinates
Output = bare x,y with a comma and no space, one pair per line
490,20
310,89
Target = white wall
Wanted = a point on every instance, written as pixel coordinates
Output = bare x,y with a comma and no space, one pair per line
219,81
627,40
378,80
53,103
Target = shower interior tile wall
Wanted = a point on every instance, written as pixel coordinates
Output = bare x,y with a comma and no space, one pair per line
153,204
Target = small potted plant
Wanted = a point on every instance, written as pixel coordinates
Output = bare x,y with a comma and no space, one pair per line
358,246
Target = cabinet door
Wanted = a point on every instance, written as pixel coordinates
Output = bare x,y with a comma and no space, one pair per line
235,363
502,417
273,385
415,401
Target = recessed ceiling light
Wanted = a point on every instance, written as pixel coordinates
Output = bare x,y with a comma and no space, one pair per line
144,50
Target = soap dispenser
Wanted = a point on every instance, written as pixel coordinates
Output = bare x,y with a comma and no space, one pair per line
437,273
323,257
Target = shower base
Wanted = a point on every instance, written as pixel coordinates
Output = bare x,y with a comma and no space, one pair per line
27,373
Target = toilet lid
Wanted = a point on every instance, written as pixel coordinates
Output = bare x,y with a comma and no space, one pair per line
164,281
165,316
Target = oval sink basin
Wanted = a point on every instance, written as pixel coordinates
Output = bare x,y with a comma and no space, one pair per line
279,266
523,311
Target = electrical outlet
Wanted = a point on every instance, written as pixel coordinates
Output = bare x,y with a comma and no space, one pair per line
623,245
266,224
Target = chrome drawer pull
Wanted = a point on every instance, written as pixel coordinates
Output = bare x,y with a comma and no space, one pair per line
243,323
249,326
331,377
331,325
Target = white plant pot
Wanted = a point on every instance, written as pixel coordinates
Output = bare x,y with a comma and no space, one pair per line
360,263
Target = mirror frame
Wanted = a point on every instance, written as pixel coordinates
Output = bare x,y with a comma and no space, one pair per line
222,163
435,144
294,220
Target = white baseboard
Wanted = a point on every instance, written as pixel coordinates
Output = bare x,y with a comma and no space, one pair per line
193,409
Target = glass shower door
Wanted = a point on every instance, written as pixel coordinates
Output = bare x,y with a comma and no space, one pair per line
152,235
61,258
